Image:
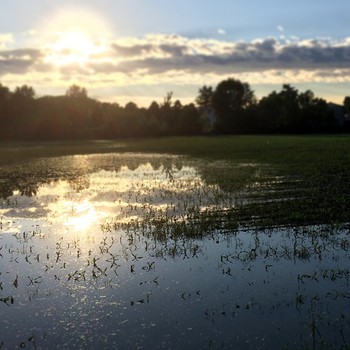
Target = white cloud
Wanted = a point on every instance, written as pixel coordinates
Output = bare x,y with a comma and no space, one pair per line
172,60
5,39
194,55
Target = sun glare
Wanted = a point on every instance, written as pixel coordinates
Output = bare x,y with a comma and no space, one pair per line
72,47
85,216
73,39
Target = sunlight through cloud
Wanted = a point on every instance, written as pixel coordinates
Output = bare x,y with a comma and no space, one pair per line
72,47
71,39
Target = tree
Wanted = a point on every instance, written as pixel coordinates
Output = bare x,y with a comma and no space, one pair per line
317,116
22,111
269,111
131,107
153,109
5,96
24,92
204,98
5,118
231,100
78,110
291,111
76,91
346,105
4,93
167,100
177,105
290,115
306,99
188,120
166,118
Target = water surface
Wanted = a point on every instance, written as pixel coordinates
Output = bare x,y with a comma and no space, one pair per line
148,252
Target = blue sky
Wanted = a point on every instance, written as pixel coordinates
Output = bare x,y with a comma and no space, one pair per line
141,49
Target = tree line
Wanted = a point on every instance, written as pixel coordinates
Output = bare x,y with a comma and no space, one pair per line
229,108
237,110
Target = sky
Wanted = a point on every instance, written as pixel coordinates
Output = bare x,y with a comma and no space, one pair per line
139,50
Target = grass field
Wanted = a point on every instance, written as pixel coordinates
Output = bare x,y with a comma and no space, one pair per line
273,149
301,152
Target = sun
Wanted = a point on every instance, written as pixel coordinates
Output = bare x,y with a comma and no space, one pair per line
72,47
72,39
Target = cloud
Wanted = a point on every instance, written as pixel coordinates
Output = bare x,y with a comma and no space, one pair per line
280,28
5,39
221,31
174,59
18,61
159,54
233,57
133,50
21,53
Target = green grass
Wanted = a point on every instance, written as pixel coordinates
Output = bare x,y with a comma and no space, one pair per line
271,149
16,152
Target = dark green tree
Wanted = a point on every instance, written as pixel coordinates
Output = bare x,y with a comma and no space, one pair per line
177,105
188,120
319,117
231,101
205,96
166,116
167,100
76,91
5,96
154,118
289,111
4,92
346,105
5,118
280,111
24,93
131,107
153,109
22,111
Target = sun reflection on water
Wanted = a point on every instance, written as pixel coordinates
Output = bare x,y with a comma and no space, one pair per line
83,218
83,205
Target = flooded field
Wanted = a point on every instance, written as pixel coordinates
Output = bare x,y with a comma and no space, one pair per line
133,251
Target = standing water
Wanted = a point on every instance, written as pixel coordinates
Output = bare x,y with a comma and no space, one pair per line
154,252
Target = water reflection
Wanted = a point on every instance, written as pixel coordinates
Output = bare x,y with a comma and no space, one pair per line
135,191
134,251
